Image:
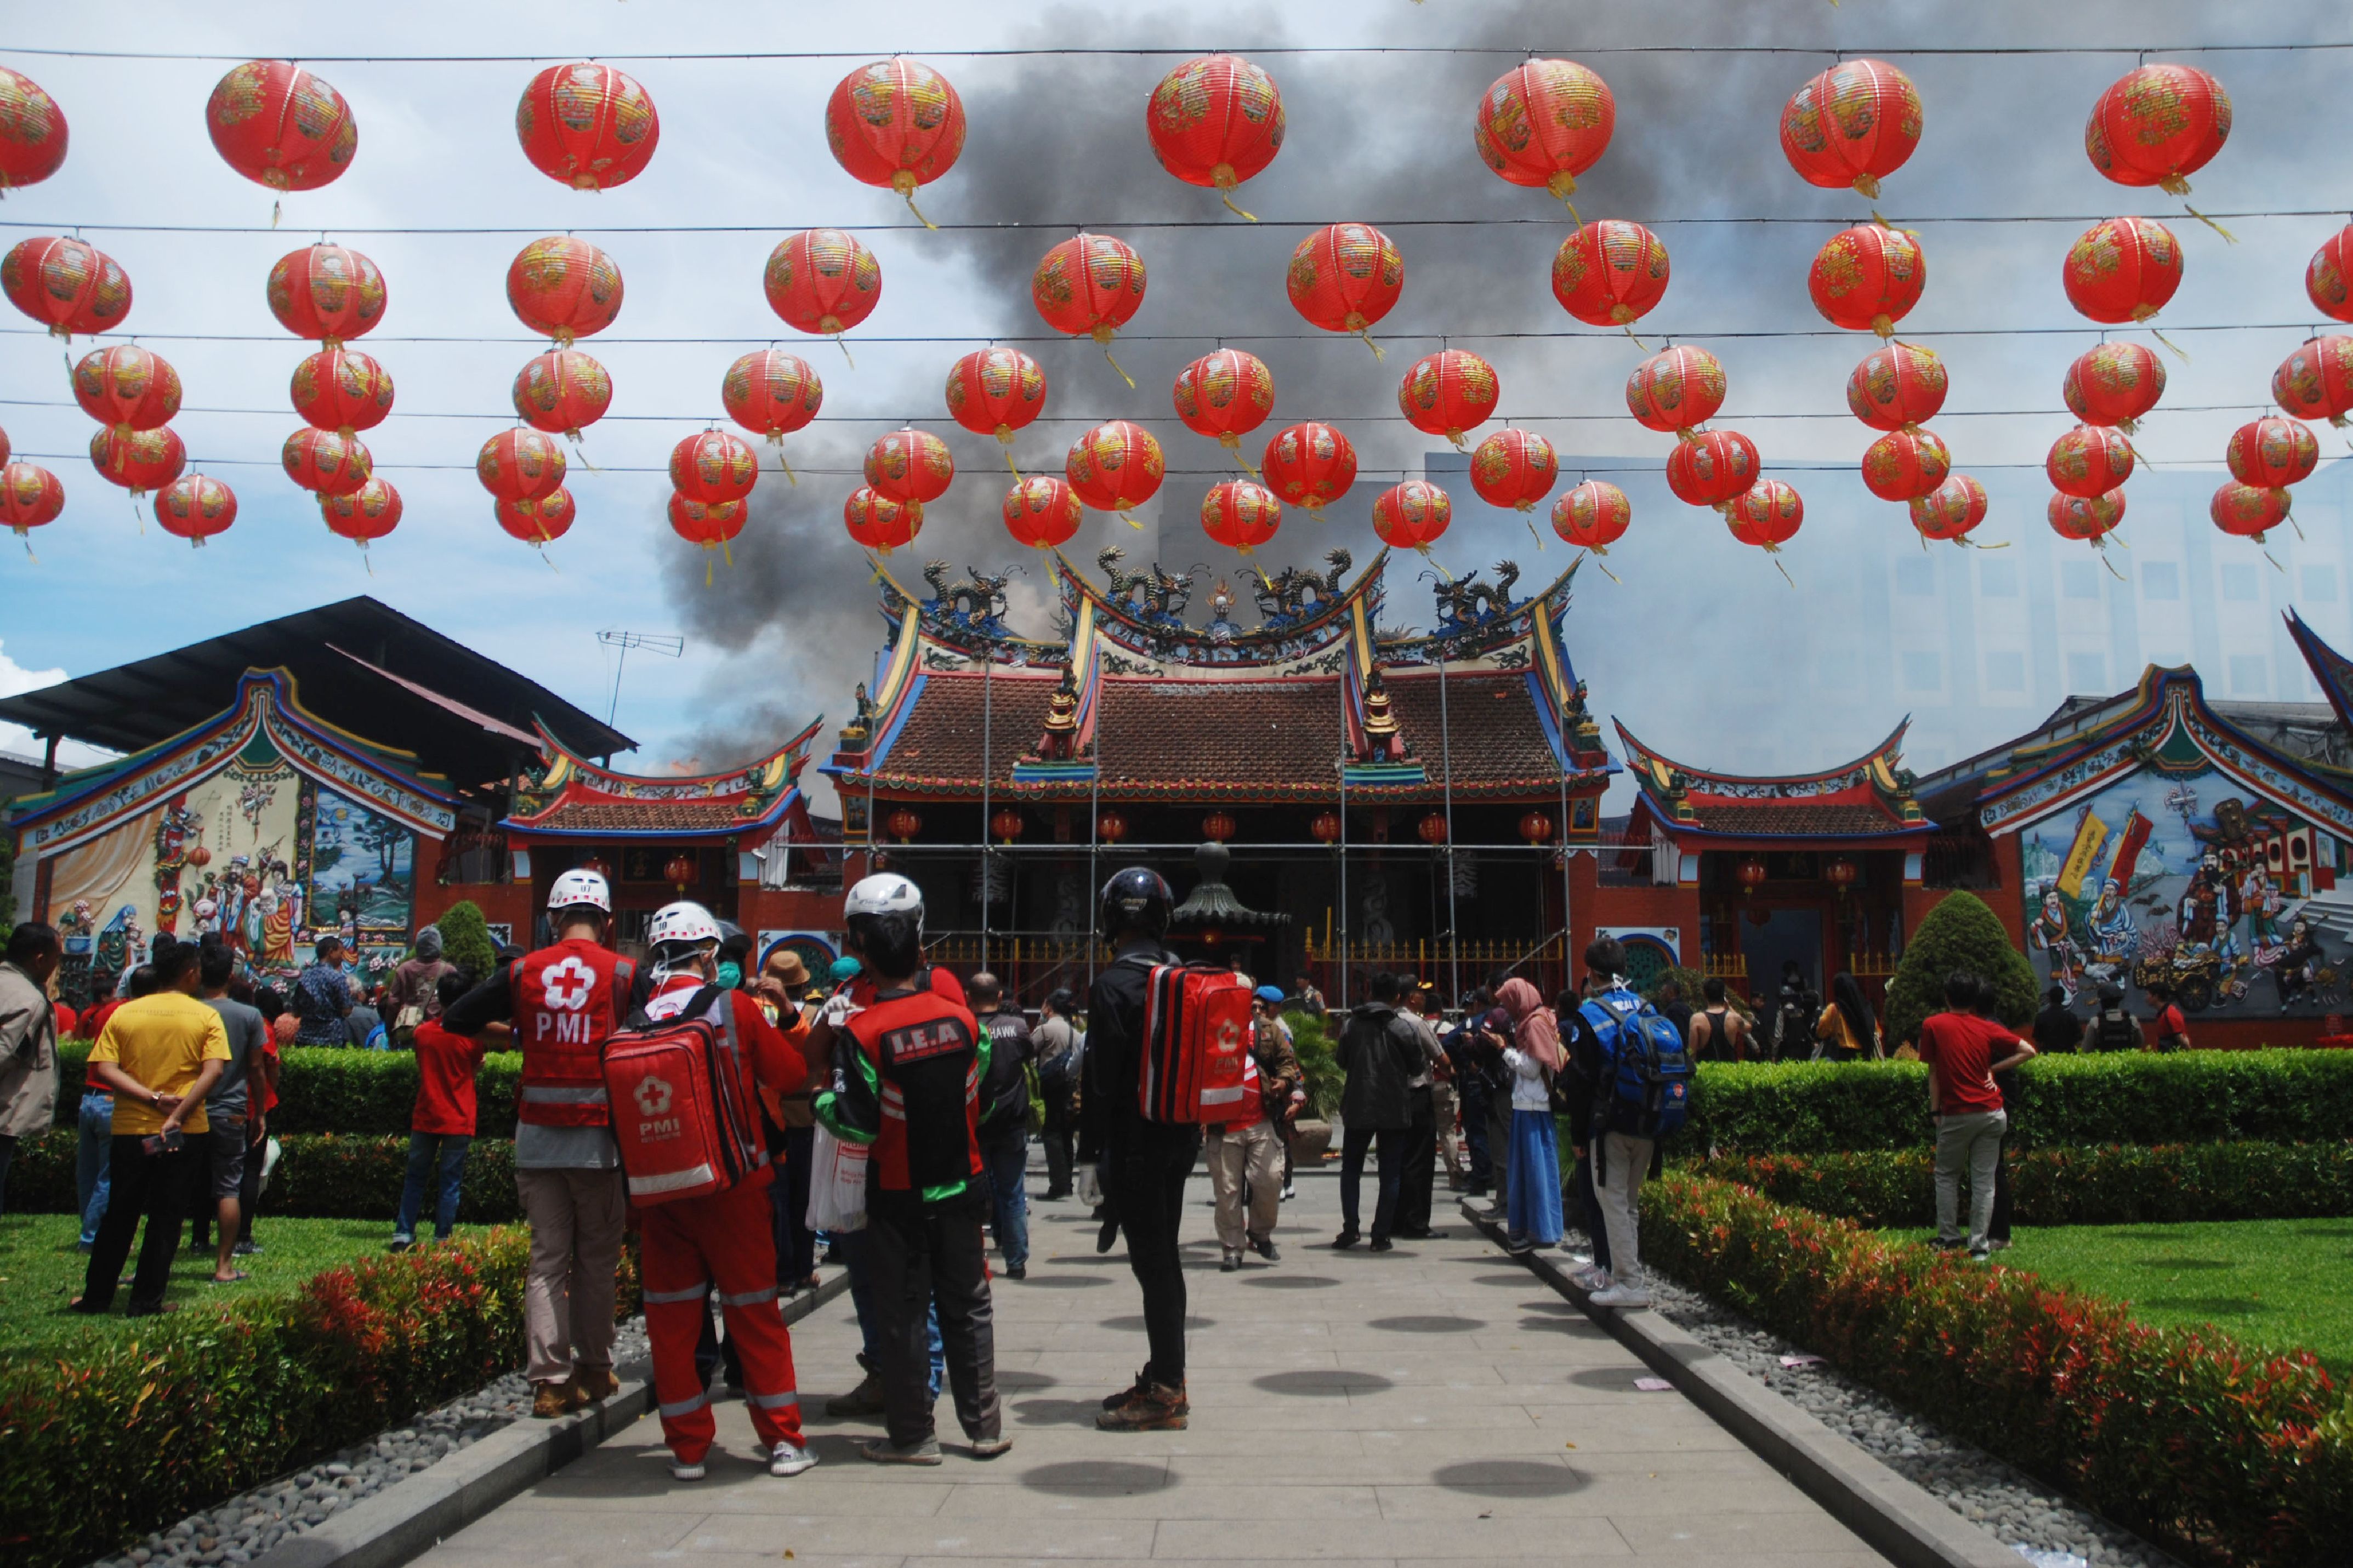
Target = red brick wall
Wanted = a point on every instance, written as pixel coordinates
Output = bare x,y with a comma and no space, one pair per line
773,909
1592,905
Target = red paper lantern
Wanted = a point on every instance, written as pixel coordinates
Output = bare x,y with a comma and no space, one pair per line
2123,270
280,126
1006,824
1674,391
1217,826
1713,467
65,285
563,392
1853,125
1412,515
32,132
341,390
1225,395
1610,273
564,287
1110,827
327,292
1325,827
1345,276
685,866
896,123
995,392
910,465
877,522
2157,124
1898,386
1043,512
520,465
1768,515
1089,285
1951,509
1535,827
772,393
1432,828
1448,393
1905,464
541,521
903,824
712,466
1215,121
1515,467
2114,383
2329,281
3,448
822,281
1592,516
1841,872
326,462
1750,871
2248,511
1115,467
1241,514
138,461
367,513
587,126
127,388
2272,453
30,497
195,507
2087,518
1310,466
1544,123
2316,381
709,526
1868,277
2088,461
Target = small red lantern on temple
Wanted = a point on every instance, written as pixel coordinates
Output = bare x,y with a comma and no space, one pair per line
1345,278
519,465
2316,381
1868,277
995,392
1841,872
1675,391
1215,121
1768,515
365,515
2089,461
2248,511
1310,466
682,868
1592,516
1515,467
822,281
140,461
1853,125
895,124
327,292
1325,827
1217,826
280,126
65,285
587,126
1110,827
1241,514
1225,395
1448,393
1005,824
341,390
713,466
1610,273
877,522
772,393
30,497
2121,270
562,391
2328,280
1432,828
35,147
600,866
127,387
2114,383
2272,452
1545,122
327,463
2087,518
195,507
1089,285
904,824
564,287
1898,386
1904,464
541,521
1951,509
1412,515
1713,467
1749,872
2156,124
910,465
1043,512
1535,827
1115,467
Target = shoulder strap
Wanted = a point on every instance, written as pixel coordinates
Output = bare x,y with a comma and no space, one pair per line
624,979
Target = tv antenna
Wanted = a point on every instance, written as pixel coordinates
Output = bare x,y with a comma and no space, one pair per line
662,643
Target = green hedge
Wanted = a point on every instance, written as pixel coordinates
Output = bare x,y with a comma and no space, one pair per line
2223,1456
2191,1096
327,1089
320,1175
2118,1185
135,1433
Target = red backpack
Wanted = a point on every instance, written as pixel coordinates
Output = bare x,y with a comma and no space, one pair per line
1197,1038
679,1113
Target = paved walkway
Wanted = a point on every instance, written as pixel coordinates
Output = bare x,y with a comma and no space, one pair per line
1434,1402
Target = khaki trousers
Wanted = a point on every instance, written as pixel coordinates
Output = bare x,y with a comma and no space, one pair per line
1250,1156
576,1217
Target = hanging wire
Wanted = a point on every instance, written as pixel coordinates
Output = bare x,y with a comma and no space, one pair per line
1285,50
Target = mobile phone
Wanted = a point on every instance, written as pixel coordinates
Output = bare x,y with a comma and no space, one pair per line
163,1142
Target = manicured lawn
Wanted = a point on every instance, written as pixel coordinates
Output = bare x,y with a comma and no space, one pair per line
40,1272
2279,1284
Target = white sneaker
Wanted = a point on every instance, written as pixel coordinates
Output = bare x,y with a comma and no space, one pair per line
789,1459
1621,1296
680,1470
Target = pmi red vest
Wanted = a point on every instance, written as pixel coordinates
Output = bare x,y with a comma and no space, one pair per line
567,999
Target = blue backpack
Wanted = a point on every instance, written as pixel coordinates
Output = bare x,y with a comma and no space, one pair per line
1647,1073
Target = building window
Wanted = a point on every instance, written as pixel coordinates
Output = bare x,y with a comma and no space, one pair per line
2251,675
1923,672
1997,578
2005,671
2239,585
2087,675
2320,584
1916,575
2160,580
2079,580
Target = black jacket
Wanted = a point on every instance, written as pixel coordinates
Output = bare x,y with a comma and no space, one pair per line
1113,1068
1005,1090
1378,1050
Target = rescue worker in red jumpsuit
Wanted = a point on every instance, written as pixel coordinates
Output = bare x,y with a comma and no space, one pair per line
723,1241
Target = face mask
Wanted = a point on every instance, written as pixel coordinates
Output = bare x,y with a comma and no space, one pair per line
730,975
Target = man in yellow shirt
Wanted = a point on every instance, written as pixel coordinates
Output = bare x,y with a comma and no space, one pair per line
160,1056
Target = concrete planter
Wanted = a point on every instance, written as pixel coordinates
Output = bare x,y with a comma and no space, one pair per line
1310,1142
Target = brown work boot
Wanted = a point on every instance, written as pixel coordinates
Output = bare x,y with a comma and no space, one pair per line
1158,1408
550,1400
866,1399
1143,1380
591,1383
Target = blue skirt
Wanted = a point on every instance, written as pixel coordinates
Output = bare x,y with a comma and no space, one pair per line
1535,1210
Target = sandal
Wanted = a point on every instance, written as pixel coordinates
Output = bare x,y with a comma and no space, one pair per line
231,1278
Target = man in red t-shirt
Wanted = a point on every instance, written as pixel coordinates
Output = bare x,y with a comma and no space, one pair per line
1963,1052
2170,1028
441,1129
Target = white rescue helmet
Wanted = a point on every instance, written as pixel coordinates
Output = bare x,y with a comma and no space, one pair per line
579,887
682,924
887,894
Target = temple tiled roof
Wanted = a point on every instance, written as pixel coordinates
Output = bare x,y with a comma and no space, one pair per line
1869,797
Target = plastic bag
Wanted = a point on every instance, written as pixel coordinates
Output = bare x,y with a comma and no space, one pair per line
837,1183
1090,1184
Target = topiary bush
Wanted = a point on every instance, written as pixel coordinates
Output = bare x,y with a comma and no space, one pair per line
466,939
320,1175
1961,932
330,1088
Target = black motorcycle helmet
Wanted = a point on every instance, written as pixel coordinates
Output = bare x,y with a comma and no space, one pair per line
1136,899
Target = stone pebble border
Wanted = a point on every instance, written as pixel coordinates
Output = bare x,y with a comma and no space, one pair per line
1923,1497
380,1502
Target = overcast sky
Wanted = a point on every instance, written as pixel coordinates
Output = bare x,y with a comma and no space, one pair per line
1057,142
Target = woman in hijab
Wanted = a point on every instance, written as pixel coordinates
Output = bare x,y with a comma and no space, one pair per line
1532,1217
1846,1032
